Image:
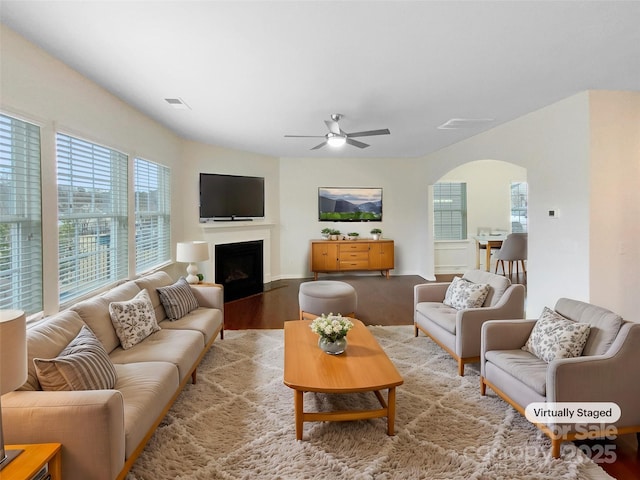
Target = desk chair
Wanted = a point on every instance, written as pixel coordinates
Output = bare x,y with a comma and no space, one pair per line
514,249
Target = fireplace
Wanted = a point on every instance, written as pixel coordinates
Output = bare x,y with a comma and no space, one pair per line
239,268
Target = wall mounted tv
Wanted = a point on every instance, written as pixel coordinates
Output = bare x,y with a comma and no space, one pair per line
230,197
339,204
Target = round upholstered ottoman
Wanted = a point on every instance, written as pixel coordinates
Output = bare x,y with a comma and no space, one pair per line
326,296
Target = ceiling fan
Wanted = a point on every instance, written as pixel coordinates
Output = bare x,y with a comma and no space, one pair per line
338,137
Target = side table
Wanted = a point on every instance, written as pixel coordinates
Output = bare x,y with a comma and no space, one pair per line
32,459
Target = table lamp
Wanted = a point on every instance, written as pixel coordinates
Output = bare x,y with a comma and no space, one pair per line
191,252
13,365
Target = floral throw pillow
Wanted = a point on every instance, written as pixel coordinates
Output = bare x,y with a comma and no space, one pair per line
555,336
463,294
134,320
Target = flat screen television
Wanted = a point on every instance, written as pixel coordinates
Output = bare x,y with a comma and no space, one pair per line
351,204
230,197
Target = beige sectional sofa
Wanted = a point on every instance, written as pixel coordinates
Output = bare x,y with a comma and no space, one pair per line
102,432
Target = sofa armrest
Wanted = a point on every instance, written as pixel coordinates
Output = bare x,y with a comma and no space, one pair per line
209,295
503,335
612,377
429,292
89,425
469,322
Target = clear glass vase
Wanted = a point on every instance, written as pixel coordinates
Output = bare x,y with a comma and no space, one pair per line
332,348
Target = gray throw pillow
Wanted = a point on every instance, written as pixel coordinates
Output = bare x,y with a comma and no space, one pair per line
83,365
177,299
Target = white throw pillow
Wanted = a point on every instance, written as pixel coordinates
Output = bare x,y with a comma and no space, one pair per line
463,294
555,336
134,320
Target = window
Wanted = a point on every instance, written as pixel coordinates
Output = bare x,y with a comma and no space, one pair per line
518,207
20,216
152,210
92,216
450,211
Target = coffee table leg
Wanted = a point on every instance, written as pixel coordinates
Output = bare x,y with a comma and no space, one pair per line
299,409
391,410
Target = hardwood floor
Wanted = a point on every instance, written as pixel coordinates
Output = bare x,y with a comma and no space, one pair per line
384,301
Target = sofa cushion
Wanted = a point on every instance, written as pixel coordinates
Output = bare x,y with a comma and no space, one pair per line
179,347
604,324
95,313
83,365
47,339
440,314
146,389
177,299
463,294
152,282
554,336
208,321
524,366
134,320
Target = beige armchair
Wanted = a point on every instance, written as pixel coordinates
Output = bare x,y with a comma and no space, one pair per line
607,371
458,331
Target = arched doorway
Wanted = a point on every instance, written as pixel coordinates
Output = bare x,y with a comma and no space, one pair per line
489,196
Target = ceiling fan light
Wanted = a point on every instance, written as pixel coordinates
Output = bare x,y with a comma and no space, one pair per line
336,140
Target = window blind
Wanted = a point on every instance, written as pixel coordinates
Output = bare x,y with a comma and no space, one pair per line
152,186
450,211
92,216
20,216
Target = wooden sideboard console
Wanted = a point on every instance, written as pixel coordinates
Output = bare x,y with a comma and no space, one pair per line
329,256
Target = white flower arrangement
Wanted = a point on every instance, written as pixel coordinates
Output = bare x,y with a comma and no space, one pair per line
331,327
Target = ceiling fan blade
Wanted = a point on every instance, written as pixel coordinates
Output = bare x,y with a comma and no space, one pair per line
319,146
305,136
369,133
356,143
333,126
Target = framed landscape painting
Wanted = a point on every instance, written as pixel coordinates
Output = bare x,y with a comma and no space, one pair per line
349,204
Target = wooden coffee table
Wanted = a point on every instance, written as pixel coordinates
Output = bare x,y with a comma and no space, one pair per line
363,367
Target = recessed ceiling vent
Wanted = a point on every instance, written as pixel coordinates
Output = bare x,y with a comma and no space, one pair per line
464,123
177,103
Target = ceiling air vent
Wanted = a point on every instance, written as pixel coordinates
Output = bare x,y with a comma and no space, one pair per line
462,123
177,103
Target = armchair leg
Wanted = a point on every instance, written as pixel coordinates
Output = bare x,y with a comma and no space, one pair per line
483,387
460,368
555,447
415,330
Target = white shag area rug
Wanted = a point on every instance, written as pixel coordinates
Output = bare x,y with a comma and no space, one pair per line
237,422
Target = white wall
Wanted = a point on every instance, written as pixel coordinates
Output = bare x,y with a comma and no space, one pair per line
38,88
553,145
614,227
403,207
199,158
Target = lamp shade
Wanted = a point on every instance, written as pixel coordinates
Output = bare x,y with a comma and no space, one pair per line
13,350
192,252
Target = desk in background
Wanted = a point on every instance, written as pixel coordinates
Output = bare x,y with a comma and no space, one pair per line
489,242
